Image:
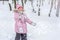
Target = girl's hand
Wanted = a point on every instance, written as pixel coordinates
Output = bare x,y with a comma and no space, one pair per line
34,24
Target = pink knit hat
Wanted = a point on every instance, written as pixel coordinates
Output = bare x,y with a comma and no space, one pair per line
19,7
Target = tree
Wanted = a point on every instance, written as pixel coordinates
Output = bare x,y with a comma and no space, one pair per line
58,7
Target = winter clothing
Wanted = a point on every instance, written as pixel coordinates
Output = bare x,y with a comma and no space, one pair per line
21,36
20,22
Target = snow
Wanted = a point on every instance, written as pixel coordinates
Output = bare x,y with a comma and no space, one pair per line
47,28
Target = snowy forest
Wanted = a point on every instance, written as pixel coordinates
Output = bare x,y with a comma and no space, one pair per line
45,13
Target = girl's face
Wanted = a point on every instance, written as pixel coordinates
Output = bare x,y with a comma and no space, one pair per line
21,10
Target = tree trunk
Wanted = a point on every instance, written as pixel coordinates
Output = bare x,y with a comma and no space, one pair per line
58,6
51,8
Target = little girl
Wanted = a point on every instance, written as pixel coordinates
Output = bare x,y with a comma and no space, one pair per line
20,23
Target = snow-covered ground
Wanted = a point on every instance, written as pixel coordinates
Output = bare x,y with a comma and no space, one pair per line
47,28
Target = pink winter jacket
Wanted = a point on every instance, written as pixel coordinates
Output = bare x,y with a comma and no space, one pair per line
20,24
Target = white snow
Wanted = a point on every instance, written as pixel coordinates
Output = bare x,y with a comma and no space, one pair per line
47,28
